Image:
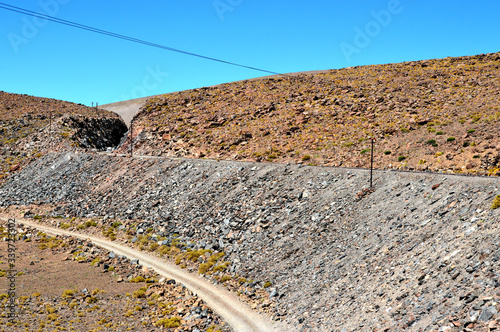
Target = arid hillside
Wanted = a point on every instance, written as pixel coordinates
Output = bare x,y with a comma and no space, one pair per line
31,126
439,115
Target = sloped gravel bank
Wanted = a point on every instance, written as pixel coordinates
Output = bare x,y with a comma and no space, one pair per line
420,252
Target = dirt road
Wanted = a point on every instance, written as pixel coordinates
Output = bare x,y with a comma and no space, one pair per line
233,311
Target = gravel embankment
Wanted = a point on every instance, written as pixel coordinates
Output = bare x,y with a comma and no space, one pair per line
421,252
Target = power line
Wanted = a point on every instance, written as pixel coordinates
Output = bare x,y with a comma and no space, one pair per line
119,36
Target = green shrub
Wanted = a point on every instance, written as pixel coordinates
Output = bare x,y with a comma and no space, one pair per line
306,157
364,151
439,133
470,131
450,139
267,284
387,152
401,158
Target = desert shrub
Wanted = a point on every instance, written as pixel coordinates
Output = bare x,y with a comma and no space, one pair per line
213,328
450,139
439,133
221,267
169,322
496,203
401,158
141,293
267,284
90,223
432,142
92,299
306,157
470,131
137,279
68,293
364,151
52,317
204,267
116,224
387,152
225,278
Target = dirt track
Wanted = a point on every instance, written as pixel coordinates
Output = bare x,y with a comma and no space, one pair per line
236,314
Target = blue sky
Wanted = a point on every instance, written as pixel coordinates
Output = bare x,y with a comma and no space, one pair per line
51,60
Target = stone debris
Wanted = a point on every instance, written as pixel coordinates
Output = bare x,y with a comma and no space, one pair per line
402,258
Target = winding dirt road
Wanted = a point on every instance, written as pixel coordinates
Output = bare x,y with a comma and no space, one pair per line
232,310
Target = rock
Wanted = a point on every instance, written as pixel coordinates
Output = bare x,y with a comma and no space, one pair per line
487,313
111,255
134,239
273,293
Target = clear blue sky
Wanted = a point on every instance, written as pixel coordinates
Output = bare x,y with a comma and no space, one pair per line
51,60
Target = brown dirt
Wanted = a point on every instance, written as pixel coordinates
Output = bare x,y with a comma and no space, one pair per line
438,115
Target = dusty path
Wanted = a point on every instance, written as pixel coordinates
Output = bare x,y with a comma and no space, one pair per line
233,311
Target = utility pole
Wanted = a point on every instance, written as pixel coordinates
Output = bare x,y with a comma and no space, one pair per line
371,168
50,122
131,137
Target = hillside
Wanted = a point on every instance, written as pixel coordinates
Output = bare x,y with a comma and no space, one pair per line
305,244
439,115
31,126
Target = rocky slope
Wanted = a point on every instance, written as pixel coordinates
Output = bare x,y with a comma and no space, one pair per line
31,126
419,253
441,115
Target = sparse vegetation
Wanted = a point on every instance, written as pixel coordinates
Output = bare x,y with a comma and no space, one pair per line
496,203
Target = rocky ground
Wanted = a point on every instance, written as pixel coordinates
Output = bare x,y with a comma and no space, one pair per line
309,245
439,115
109,292
32,126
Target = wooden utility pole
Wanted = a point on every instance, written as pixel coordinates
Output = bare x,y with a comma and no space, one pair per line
131,137
371,168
